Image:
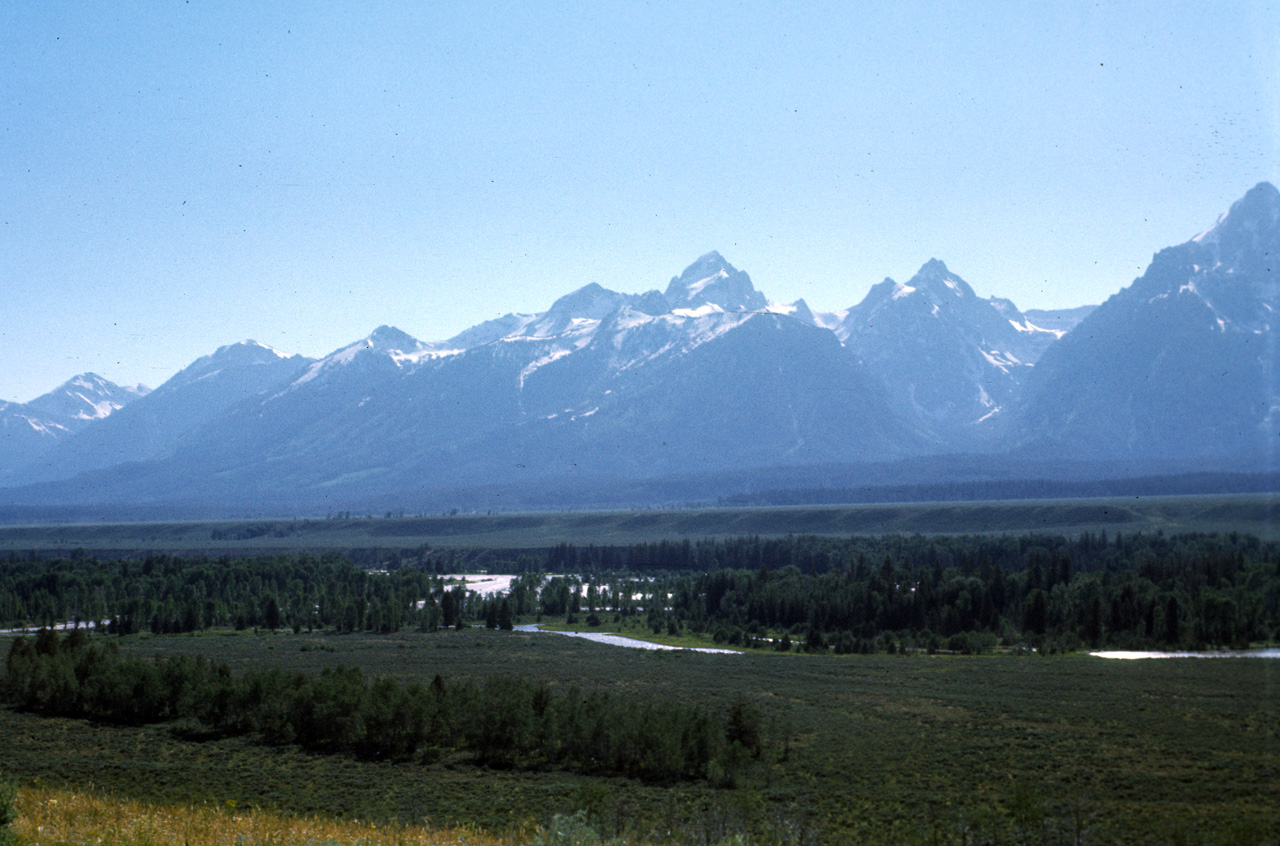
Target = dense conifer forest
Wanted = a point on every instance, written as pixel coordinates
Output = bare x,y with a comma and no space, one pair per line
856,594
967,594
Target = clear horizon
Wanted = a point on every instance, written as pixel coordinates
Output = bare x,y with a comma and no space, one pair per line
181,177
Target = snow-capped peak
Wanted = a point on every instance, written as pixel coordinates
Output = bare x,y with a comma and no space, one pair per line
230,357
382,345
935,278
385,341
798,310
713,281
592,301
86,396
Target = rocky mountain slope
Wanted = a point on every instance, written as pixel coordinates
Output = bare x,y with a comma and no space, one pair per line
1182,363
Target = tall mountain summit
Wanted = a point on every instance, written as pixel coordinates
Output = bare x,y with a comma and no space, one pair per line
1184,362
949,359
711,282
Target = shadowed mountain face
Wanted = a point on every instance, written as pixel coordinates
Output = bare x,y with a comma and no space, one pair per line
199,393
950,361
708,377
1181,363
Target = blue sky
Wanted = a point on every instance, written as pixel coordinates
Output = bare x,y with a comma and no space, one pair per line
175,176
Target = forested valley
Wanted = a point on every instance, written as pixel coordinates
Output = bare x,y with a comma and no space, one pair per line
376,684
960,594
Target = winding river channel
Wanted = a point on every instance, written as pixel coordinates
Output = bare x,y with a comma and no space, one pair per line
619,640
632,643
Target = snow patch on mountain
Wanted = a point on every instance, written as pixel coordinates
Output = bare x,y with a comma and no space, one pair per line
701,311
554,355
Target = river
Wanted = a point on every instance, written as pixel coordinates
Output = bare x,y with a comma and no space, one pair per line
1225,653
628,642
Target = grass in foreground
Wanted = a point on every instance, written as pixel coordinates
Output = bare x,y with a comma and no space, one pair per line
52,817
59,817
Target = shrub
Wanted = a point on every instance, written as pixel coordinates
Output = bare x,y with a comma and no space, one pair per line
8,811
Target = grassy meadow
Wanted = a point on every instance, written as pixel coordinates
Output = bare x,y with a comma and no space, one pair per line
862,748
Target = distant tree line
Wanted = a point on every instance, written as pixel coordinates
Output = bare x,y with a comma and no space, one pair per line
959,593
167,594
1181,484
503,722
855,594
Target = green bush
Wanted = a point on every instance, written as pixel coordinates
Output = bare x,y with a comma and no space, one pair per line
505,722
8,811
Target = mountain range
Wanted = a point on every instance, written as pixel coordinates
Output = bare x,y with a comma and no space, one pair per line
703,380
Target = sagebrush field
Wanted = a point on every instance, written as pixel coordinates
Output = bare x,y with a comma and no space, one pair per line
873,749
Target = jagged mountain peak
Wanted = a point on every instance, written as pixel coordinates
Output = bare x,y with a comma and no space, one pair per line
798,310
86,396
1226,271
932,286
1183,361
382,345
946,356
243,354
707,264
933,267
1258,211
712,281
87,379
1244,241
801,311
92,382
934,278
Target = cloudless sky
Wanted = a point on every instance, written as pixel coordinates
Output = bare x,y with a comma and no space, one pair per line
175,176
